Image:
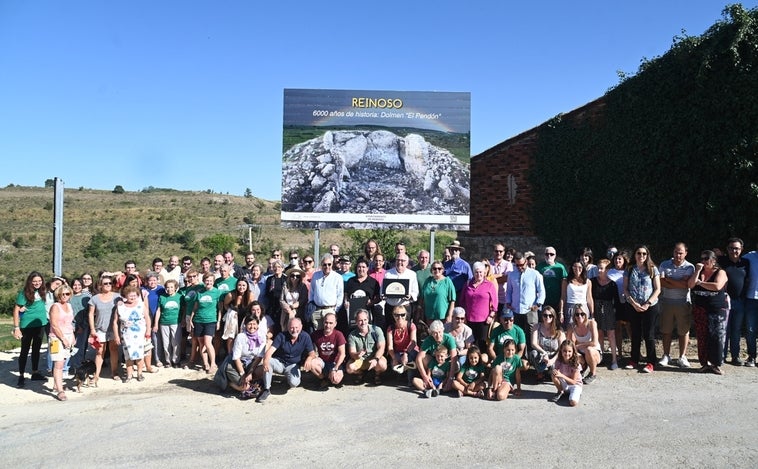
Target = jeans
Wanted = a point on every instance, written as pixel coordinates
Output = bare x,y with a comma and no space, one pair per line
734,326
290,372
751,318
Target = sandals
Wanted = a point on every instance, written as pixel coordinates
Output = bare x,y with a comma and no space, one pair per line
61,396
140,377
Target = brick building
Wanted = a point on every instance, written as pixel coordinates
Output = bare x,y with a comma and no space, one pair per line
501,195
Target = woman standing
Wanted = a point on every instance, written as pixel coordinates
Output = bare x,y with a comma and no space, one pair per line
294,298
709,310
61,339
80,302
603,293
438,296
623,309
576,294
274,287
479,299
236,307
167,322
101,308
29,320
205,320
642,285
132,321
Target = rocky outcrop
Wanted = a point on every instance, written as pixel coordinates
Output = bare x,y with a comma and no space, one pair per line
373,172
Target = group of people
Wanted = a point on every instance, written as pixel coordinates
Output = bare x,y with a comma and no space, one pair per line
449,326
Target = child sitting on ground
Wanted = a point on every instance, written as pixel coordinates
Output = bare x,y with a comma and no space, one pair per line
438,370
506,373
567,375
471,378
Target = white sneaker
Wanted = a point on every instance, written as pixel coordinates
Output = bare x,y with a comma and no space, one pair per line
683,362
665,360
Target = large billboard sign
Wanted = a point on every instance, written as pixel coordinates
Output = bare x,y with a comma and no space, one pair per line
367,159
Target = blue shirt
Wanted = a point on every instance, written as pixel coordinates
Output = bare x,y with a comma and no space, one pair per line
459,272
751,291
524,290
289,353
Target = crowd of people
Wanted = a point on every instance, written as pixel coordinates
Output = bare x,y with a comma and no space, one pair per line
447,326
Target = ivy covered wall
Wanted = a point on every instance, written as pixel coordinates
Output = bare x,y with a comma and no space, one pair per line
672,155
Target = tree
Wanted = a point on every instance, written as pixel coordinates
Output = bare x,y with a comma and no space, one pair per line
118,190
248,193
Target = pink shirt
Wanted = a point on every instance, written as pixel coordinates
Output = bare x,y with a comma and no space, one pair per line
479,301
65,320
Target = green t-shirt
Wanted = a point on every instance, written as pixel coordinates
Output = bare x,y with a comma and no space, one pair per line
429,345
552,276
499,334
207,301
225,286
35,314
170,308
510,365
472,373
439,372
437,295
189,297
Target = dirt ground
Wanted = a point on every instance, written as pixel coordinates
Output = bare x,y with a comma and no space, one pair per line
177,418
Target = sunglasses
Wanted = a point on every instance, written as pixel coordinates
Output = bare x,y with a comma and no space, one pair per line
308,261
105,283
576,315
549,253
460,318
399,315
66,294
295,276
548,316
326,265
437,268
640,253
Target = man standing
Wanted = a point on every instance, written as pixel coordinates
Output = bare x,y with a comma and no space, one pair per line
329,362
171,272
422,268
400,271
751,306
553,274
526,293
737,269
675,306
456,269
247,269
326,293
236,268
286,353
500,269
218,261
366,347
344,269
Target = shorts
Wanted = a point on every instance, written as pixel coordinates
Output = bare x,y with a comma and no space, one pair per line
329,366
675,313
100,336
204,329
56,350
437,382
362,364
232,374
411,356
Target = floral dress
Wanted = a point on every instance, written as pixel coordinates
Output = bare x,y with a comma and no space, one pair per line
132,327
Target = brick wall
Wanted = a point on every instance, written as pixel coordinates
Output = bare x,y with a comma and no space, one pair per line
501,196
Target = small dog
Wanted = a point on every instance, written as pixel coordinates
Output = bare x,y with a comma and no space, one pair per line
85,374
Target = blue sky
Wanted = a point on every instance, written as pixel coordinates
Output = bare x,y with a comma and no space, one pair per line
189,94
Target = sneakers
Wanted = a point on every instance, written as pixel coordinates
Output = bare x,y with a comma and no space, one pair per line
590,379
750,362
614,366
683,362
737,362
435,392
665,360
21,381
630,365
428,393
263,395
648,368
557,397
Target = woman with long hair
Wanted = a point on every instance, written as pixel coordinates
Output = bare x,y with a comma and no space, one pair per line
642,285
29,320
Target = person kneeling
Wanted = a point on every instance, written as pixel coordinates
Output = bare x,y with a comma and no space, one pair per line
366,347
285,356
